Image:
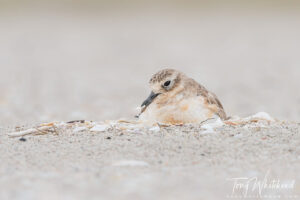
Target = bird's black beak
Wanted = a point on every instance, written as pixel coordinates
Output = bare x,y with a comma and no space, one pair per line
149,100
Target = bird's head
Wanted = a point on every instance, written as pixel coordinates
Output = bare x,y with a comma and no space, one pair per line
162,83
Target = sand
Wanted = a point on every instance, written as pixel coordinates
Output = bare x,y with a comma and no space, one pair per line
61,63
127,161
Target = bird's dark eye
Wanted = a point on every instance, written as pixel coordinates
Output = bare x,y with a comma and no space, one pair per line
167,83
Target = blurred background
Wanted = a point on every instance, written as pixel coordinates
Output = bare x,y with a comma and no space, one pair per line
66,60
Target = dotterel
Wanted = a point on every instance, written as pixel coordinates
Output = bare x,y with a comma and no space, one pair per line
178,99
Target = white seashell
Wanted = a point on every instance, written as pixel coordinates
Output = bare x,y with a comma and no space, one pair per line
155,129
211,126
261,115
79,129
99,128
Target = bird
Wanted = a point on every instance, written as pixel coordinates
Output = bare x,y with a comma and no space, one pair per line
177,99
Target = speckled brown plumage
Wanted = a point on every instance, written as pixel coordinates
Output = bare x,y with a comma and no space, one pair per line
161,75
183,101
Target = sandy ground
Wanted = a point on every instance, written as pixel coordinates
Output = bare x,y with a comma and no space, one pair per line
130,162
59,65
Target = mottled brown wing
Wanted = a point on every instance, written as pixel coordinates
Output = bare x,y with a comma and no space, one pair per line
212,100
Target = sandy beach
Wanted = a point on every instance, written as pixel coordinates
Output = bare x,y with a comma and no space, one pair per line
126,161
68,63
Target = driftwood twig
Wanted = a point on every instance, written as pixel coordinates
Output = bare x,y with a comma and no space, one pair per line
30,131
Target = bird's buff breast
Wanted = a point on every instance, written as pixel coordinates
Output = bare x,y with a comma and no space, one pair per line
179,111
